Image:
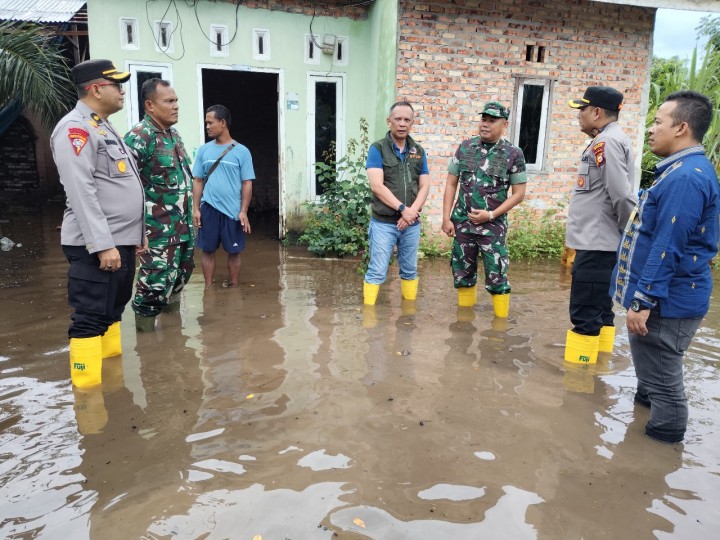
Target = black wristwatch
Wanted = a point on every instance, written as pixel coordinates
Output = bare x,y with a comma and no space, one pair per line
636,306
401,208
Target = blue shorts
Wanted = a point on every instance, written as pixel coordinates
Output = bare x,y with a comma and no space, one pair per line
216,227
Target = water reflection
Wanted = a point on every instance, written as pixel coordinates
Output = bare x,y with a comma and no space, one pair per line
287,409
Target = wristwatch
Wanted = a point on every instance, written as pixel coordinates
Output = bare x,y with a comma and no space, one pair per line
401,208
636,306
491,216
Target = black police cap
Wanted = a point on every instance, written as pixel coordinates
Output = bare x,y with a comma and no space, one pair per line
599,96
98,69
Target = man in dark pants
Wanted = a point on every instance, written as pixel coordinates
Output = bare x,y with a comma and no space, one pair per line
663,276
601,203
102,227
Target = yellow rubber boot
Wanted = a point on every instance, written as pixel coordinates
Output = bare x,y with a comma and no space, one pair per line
581,349
501,304
86,361
607,339
370,293
111,341
409,288
467,296
369,317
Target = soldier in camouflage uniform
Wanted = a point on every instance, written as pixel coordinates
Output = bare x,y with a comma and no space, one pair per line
165,170
485,167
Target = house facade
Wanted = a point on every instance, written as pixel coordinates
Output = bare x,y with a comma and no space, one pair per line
297,75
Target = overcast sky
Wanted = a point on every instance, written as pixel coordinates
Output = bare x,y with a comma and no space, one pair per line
675,33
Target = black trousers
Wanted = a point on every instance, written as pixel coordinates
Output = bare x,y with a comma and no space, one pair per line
591,306
97,296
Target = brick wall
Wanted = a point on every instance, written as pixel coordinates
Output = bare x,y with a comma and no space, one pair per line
455,56
18,169
329,8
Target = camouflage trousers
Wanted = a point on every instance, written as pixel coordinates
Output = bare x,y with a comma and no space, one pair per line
163,271
468,245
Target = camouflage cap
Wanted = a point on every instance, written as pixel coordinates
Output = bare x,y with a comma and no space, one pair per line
496,109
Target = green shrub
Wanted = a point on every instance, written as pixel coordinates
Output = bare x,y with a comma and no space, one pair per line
337,222
535,235
433,244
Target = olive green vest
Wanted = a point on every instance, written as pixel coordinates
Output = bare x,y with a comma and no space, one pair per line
400,177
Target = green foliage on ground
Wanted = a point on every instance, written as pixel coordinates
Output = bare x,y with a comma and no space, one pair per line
337,222
534,234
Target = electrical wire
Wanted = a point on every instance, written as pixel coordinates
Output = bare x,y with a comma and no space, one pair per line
176,28
197,18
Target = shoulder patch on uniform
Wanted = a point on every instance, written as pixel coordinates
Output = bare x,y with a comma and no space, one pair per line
78,137
599,151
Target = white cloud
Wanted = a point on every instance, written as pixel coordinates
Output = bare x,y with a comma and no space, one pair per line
675,33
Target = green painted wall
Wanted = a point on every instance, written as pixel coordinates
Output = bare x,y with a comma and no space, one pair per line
366,74
384,37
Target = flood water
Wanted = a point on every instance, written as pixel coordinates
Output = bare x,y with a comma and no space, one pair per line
286,410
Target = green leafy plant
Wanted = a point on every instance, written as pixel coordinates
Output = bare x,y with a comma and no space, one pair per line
671,75
535,235
35,75
433,244
337,222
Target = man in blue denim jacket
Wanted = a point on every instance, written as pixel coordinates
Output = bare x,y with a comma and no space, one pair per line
663,275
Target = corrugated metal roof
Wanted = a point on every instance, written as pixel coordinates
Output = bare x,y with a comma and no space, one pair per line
46,11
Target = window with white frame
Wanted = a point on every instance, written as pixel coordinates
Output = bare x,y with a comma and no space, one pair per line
313,49
326,124
164,36
532,97
219,45
342,51
261,44
129,38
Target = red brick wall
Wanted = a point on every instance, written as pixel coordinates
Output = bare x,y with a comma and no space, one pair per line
455,56
329,8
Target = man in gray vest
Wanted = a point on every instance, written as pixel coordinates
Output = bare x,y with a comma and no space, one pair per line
602,200
400,181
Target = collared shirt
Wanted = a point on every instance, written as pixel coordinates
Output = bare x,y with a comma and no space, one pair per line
104,206
374,158
668,244
604,193
485,172
165,171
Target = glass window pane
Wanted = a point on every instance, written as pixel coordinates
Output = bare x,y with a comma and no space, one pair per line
530,118
325,124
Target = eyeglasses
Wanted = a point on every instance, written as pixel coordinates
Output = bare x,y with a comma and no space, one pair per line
118,85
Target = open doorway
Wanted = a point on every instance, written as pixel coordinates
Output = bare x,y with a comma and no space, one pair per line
252,98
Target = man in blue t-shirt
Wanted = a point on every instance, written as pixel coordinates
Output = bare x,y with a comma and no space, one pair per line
221,195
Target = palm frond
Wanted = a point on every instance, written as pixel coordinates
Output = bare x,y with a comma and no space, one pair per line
33,71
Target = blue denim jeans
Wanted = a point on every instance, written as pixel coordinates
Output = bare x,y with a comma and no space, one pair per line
383,238
658,359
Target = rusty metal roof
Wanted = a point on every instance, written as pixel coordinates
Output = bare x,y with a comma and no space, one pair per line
43,11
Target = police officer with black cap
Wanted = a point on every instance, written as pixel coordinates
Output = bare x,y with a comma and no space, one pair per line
102,227
601,203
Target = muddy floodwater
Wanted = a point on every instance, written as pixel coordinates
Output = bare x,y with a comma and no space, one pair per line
284,410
